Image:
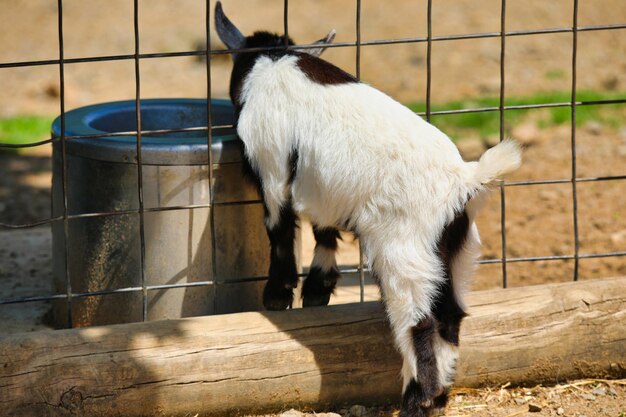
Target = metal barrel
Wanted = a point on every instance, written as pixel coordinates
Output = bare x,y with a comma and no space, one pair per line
190,267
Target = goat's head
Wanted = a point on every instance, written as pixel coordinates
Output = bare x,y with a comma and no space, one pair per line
234,39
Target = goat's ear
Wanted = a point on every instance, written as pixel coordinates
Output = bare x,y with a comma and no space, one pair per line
328,39
228,33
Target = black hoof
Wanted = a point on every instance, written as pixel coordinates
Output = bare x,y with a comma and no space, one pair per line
318,287
277,297
441,400
314,300
418,402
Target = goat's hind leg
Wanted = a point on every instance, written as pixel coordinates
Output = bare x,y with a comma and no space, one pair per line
323,275
409,289
437,336
424,389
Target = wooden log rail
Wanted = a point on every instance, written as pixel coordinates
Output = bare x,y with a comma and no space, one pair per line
250,362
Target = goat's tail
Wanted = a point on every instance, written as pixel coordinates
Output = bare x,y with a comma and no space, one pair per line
498,161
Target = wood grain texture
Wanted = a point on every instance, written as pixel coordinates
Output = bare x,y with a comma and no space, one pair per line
222,365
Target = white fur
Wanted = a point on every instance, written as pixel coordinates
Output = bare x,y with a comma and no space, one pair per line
368,162
324,258
498,161
447,355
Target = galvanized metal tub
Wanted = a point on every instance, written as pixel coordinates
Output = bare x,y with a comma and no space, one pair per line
104,252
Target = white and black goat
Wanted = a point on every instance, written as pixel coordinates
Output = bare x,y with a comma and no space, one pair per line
324,145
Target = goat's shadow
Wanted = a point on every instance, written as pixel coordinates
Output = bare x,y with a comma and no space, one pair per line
346,356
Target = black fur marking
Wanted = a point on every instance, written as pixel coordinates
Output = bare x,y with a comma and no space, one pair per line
245,61
283,273
326,237
293,166
263,38
323,72
419,396
427,373
446,308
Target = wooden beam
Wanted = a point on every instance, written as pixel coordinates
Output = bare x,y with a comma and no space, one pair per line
547,333
269,360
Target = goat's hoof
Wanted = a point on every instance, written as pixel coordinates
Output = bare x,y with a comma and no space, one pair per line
314,300
277,297
318,287
441,400
420,402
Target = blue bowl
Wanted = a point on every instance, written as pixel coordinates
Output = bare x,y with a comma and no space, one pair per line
176,148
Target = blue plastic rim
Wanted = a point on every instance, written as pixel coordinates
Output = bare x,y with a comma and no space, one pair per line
156,114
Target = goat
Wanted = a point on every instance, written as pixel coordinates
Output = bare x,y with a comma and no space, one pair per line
322,144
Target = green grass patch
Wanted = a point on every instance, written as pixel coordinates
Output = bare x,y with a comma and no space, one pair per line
20,130
485,124
555,74
29,129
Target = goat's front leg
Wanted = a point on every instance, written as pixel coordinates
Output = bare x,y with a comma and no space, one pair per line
283,273
323,275
280,223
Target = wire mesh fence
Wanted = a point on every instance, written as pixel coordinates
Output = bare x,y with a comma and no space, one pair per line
361,269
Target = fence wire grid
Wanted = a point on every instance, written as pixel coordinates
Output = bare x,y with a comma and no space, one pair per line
137,57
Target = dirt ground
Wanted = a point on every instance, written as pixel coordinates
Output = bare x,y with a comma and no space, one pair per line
461,69
584,398
539,219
